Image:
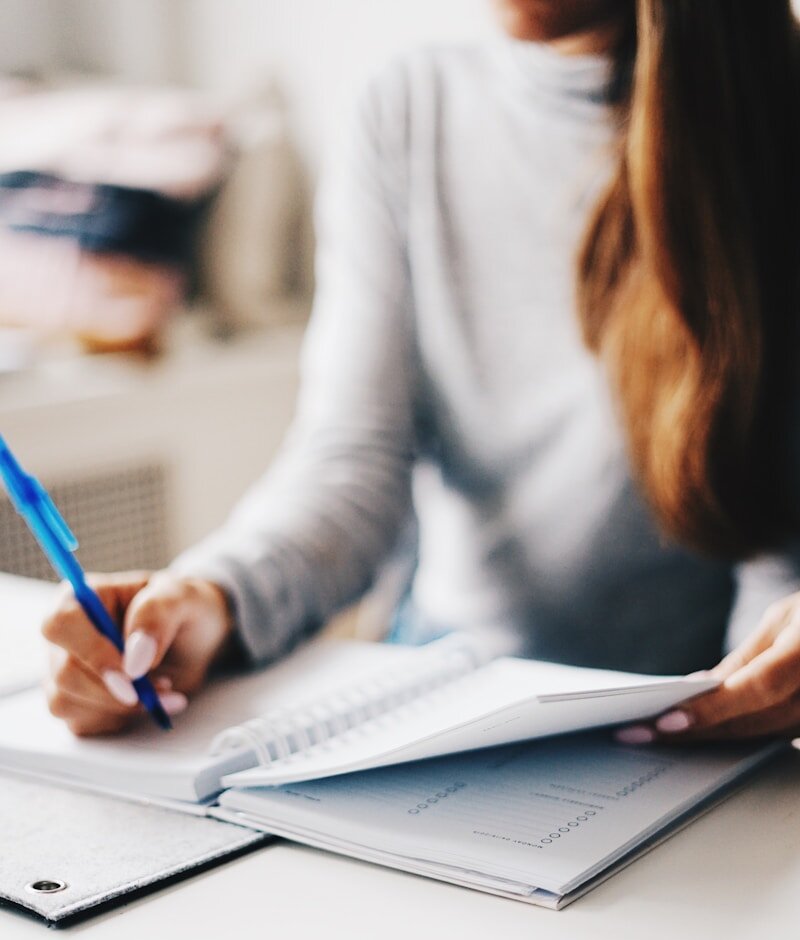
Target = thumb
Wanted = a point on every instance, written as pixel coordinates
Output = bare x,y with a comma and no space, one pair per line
152,621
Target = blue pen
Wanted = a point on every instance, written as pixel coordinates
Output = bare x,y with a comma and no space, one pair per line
33,503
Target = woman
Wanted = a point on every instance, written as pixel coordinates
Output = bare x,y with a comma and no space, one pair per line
598,453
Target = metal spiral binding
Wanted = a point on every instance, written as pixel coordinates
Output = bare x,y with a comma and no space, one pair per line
283,734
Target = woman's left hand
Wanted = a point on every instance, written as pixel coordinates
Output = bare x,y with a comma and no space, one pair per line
759,694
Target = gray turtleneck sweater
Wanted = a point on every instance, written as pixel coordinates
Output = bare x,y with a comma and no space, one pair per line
443,369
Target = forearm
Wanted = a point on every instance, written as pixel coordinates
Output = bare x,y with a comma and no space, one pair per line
309,538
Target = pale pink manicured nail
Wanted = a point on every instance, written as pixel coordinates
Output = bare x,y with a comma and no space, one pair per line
140,651
162,683
674,721
120,687
174,702
636,734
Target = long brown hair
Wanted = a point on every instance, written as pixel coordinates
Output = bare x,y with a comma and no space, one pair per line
688,273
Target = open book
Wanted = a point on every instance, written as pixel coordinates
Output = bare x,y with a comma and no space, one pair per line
335,708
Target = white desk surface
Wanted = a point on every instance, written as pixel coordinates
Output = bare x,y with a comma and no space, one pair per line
23,606
732,874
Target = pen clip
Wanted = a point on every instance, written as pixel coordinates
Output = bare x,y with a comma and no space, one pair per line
56,521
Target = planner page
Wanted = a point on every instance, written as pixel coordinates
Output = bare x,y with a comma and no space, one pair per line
539,815
505,700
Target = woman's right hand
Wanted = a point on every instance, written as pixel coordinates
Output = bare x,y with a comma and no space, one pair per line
174,629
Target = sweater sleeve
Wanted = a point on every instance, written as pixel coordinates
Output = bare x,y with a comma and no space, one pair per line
308,538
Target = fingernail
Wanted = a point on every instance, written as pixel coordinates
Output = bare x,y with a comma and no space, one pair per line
120,687
140,651
162,683
674,721
636,734
174,702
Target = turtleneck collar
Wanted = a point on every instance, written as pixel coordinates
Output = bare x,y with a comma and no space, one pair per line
575,84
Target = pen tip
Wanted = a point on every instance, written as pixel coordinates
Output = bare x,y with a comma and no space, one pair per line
162,719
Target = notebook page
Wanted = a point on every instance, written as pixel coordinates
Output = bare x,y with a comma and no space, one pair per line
149,761
505,700
542,815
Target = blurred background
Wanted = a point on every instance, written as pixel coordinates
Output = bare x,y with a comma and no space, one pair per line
158,160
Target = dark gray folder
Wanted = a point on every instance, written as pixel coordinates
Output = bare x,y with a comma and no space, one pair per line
64,852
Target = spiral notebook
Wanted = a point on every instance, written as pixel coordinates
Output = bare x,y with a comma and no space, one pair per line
333,708
540,821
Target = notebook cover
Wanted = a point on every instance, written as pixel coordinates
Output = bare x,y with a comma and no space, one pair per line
101,849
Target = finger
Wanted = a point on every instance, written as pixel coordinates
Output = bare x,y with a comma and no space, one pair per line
73,690
774,674
152,621
120,587
69,628
156,616
115,590
781,720
112,692
772,622
709,711
83,719
771,678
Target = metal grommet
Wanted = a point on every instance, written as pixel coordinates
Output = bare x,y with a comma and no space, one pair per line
46,886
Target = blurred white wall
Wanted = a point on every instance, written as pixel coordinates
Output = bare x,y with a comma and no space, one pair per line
27,39
318,50
136,39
